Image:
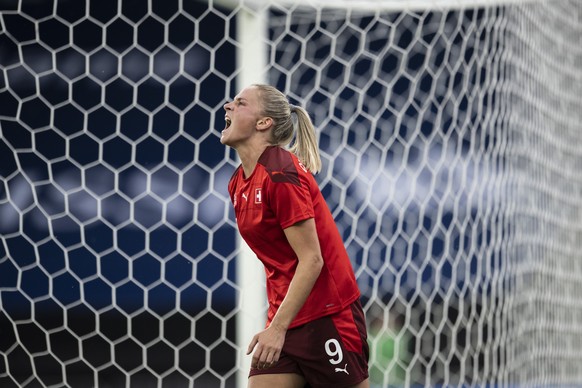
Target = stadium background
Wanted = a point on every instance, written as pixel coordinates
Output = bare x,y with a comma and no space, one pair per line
117,241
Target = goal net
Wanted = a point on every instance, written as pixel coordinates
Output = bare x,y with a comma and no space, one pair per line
452,162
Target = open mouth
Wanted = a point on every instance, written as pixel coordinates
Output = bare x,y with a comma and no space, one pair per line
227,122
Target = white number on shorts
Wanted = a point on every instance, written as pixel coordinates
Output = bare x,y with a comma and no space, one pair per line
334,350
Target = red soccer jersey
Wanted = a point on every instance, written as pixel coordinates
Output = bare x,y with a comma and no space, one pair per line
279,193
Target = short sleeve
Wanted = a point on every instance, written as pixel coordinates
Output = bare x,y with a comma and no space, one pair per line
291,202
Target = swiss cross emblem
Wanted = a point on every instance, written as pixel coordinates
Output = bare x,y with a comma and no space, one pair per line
258,196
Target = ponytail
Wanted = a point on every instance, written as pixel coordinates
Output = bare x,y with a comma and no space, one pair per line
276,106
305,145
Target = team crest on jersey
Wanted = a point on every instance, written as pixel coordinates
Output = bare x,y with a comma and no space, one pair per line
258,196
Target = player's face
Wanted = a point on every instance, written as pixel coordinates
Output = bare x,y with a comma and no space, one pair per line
241,117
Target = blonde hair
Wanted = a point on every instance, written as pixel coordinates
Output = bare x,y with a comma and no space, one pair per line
276,106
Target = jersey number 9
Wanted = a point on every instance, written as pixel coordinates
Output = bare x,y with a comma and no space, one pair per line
334,350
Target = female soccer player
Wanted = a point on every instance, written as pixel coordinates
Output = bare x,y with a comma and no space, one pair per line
315,333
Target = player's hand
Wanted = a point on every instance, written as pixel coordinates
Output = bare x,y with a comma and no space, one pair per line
267,346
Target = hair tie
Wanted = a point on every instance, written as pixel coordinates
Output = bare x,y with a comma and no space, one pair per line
293,108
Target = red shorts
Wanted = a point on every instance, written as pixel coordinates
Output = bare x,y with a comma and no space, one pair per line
331,351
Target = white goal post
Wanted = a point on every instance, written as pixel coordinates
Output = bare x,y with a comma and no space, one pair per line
252,60
451,144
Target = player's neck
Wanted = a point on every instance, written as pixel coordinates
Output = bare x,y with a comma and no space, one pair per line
249,156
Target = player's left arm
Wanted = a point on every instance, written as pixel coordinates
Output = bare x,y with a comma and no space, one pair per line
302,237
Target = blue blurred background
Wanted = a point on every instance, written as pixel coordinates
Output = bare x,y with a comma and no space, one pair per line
117,239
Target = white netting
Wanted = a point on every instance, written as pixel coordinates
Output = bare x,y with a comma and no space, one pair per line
452,149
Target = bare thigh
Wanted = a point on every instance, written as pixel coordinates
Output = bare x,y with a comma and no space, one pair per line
283,380
287,380
363,384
